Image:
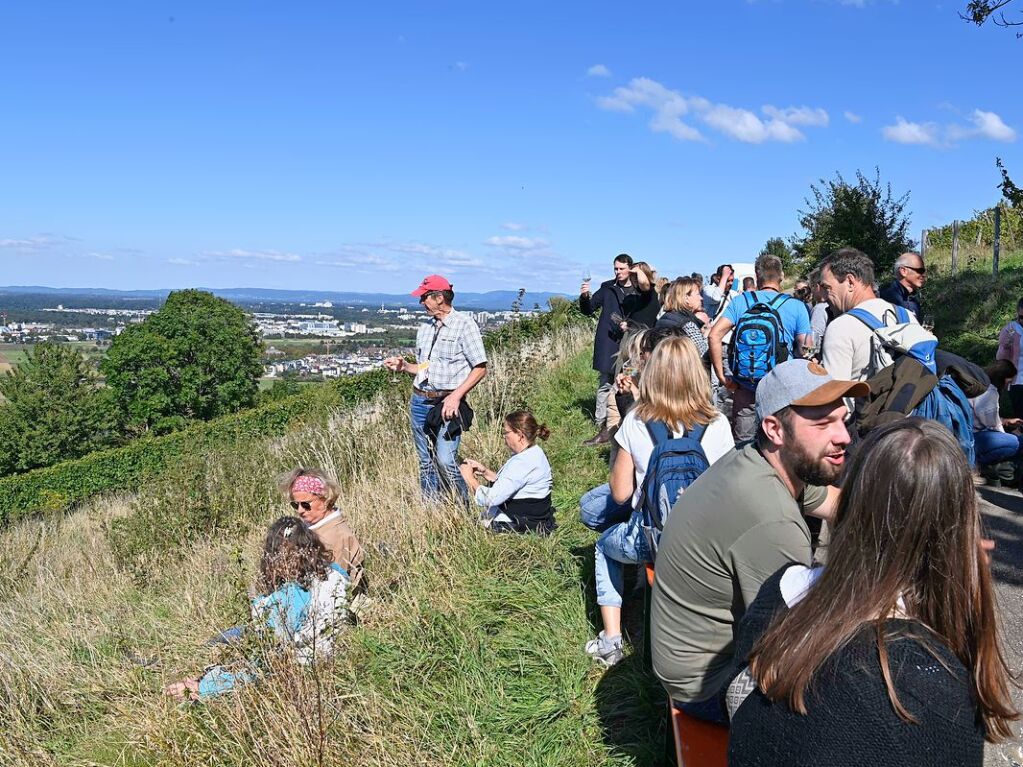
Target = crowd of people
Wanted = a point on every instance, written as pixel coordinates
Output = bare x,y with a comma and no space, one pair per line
807,562
799,471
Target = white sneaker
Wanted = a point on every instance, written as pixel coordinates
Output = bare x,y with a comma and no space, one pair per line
607,652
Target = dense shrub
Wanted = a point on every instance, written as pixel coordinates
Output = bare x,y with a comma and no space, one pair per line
195,359
53,409
57,487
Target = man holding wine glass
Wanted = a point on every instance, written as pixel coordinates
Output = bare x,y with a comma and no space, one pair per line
617,299
450,361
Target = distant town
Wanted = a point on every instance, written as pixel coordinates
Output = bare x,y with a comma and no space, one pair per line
307,341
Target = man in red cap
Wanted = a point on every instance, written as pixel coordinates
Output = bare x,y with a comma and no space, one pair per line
450,361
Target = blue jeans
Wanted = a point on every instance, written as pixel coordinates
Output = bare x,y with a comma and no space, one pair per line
995,446
438,464
621,544
598,510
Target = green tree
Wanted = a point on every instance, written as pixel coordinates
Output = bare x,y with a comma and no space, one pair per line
1012,193
980,11
776,246
864,215
196,358
55,409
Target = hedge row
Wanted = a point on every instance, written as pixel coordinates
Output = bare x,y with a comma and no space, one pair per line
58,487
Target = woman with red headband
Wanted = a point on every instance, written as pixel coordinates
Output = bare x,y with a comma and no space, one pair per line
314,496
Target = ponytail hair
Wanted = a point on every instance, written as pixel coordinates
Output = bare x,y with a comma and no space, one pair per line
525,424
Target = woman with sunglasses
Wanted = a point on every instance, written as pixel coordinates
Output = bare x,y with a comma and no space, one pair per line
314,496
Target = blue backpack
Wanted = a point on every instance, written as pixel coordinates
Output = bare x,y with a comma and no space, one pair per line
905,342
758,341
674,465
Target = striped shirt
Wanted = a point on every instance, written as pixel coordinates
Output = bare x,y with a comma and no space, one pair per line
451,348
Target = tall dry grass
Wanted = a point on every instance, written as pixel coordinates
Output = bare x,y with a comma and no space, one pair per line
86,645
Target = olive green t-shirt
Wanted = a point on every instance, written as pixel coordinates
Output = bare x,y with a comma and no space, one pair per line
727,533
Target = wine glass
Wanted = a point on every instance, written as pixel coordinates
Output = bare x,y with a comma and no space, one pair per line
811,348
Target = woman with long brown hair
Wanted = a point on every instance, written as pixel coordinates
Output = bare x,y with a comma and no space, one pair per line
888,655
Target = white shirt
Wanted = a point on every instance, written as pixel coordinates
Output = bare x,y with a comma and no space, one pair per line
713,295
985,411
333,515
847,342
524,475
633,436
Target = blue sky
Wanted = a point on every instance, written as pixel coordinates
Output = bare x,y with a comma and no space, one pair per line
347,146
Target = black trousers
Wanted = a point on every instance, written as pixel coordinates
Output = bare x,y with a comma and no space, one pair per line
1016,395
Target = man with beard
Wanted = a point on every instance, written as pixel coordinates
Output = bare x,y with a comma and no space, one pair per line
740,522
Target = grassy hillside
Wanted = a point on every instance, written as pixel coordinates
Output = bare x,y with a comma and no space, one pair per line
469,654
971,306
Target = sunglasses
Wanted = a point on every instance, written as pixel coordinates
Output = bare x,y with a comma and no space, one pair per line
306,505
920,270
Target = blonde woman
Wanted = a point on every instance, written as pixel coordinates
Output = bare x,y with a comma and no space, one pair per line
628,362
683,308
674,392
314,496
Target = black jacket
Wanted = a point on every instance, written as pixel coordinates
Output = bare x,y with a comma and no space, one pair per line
610,299
896,293
436,426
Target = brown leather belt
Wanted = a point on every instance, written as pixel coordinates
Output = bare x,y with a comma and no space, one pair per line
431,394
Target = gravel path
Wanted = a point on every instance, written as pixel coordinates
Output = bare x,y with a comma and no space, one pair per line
1003,514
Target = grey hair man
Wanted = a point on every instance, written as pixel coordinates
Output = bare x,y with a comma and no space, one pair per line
910,275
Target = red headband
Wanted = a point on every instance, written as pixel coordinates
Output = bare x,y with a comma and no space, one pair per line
309,484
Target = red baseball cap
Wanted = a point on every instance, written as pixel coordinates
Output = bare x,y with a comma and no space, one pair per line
431,283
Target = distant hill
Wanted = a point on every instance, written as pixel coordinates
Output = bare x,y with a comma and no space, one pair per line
495,300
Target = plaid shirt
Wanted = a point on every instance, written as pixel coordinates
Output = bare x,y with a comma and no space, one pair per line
452,347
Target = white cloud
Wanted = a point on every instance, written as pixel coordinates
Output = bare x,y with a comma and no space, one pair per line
516,243
852,117
982,125
435,257
253,255
669,107
905,132
511,226
598,70
814,117
989,125
101,256
40,242
743,125
182,262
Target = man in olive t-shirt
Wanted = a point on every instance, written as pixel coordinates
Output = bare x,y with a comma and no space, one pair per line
739,523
